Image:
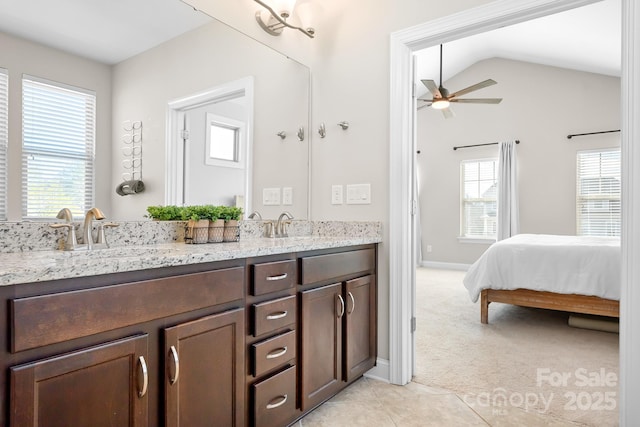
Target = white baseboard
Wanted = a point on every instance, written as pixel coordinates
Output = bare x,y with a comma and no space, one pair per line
445,265
379,372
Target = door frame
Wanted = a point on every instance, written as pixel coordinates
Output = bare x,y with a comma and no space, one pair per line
402,153
174,153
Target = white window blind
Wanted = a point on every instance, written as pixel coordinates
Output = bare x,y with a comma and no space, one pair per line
4,140
598,193
58,139
479,203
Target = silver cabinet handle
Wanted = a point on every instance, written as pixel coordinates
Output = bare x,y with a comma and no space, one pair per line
145,377
176,365
282,398
278,315
280,277
274,354
353,303
341,306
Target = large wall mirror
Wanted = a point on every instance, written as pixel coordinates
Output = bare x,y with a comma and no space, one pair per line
140,87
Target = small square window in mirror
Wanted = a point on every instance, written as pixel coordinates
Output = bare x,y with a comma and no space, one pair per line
224,142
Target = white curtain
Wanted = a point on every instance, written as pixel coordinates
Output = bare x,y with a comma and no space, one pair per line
508,222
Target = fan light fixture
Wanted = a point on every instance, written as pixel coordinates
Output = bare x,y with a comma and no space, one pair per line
273,19
440,104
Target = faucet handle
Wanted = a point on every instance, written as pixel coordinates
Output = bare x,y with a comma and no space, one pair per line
71,242
102,238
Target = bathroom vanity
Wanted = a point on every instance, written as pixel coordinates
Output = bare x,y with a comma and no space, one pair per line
249,333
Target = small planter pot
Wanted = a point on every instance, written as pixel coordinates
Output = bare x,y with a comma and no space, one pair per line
216,231
231,231
197,231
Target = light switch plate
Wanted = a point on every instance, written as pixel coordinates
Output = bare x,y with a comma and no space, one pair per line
287,196
359,194
271,196
336,195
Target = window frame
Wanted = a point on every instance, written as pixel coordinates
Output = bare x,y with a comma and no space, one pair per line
4,141
579,200
76,147
463,236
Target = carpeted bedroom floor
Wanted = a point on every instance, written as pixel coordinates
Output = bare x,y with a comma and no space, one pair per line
524,359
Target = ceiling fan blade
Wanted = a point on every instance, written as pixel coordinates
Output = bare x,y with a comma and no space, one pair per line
423,106
488,82
477,100
433,88
447,113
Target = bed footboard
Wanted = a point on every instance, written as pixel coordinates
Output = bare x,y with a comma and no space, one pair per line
539,299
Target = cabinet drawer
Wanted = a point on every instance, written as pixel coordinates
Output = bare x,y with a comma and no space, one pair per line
271,315
326,267
274,399
273,352
273,276
47,319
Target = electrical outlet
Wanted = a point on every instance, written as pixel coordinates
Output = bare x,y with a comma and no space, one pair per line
336,195
287,196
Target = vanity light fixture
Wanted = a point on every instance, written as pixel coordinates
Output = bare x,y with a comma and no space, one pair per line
273,19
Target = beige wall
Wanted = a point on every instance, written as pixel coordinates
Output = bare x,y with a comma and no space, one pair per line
20,57
541,106
200,60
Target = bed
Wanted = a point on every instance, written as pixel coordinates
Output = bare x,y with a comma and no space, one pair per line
578,274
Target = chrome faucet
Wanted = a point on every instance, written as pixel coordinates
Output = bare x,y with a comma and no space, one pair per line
71,243
281,226
87,238
254,215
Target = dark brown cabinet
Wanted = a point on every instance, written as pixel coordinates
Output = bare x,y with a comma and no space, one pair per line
204,379
321,351
337,322
99,386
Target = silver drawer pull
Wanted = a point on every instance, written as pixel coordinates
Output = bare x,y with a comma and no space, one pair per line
281,402
176,365
278,315
144,374
274,354
280,277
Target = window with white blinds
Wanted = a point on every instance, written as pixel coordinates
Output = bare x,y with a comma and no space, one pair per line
4,140
598,193
58,140
479,198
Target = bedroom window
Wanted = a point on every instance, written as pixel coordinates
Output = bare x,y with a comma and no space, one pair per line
479,203
58,136
598,193
4,140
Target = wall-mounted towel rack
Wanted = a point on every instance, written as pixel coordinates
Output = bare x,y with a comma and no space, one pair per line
480,145
592,133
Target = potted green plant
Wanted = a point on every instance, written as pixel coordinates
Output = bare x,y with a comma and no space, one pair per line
231,215
198,223
216,223
164,213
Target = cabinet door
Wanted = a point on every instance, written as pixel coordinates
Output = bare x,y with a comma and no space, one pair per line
321,330
360,326
98,386
204,382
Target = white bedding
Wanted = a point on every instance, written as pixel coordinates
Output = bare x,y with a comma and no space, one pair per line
562,264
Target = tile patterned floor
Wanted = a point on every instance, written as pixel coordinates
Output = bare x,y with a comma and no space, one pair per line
373,403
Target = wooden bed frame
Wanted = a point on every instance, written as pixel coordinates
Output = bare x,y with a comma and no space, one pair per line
540,299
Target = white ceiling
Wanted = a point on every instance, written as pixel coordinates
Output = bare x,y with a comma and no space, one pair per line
585,39
110,31
107,31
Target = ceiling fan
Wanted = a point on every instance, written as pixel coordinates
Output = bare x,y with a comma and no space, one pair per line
442,98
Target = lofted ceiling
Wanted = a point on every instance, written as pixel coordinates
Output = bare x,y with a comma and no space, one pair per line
585,39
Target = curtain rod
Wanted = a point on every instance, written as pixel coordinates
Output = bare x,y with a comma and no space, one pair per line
480,145
592,133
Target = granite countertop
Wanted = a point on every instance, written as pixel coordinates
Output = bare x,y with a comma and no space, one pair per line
39,266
